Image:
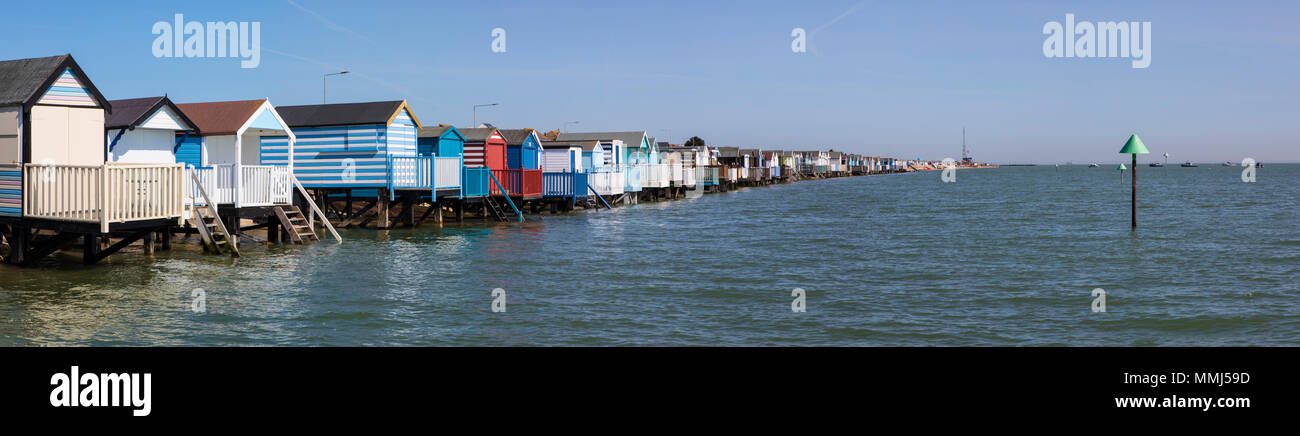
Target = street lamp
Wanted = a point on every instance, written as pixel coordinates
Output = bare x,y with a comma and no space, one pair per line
323,92
475,124
566,124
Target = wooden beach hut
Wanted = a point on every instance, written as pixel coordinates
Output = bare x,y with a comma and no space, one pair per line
565,179
148,130
54,171
368,151
486,147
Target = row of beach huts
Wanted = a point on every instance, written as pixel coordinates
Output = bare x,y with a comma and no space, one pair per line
79,170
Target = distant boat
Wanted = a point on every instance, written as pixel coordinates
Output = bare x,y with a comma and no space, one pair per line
1188,165
1155,165
1093,165
1229,164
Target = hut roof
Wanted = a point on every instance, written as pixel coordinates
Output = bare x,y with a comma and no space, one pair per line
23,81
478,134
133,111
630,139
342,114
516,136
221,117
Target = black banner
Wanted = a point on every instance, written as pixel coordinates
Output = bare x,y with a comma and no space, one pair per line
424,383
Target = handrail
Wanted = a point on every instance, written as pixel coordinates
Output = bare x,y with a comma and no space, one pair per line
212,207
506,194
315,210
602,199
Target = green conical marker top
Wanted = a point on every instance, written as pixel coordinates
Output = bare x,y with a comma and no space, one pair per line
1122,167
1134,146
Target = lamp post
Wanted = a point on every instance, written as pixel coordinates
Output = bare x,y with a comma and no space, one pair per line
1134,147
475,124
323,92
566,124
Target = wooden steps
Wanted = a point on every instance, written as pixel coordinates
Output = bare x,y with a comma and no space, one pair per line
296,224
496,210
213,232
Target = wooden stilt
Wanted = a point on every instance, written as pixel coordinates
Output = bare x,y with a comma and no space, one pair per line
382,219
90,248
149,242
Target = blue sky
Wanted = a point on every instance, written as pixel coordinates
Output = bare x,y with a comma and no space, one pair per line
889,78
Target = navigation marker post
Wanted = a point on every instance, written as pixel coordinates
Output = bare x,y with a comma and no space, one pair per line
1134,147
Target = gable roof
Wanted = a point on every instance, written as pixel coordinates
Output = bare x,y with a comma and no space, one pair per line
220,117
630,139
342,114
517,136
133,111
23,81
437,131
585,145
477,134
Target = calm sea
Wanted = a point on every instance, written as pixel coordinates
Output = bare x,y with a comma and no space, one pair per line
1004,256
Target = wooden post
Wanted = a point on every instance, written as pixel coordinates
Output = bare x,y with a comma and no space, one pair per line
149,241
166,237
460,211
408,210
438,211
1135,191
382,220
273,234
90,248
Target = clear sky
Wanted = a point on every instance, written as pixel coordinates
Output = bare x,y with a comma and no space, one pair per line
888,78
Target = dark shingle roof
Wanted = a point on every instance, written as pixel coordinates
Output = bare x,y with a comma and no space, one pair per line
630,139
586,145
340,114
515,136
477,134
131,112
433,131
22,80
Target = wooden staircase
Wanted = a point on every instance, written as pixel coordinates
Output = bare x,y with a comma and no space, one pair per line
296,224
496,210
212,230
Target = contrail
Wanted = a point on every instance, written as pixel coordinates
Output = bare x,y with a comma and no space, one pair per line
812,42
330,24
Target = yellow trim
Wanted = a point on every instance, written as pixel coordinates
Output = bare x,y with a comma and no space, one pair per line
404,106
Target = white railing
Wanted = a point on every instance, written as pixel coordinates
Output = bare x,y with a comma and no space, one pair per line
264,185
632,175
675,173
654,176
731,174
259,185
687,176
446,172
411,172
107,194
607,182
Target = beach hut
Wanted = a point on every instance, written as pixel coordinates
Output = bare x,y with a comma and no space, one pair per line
445,141
230,161
564,176
523,149
54,170
365,150
629,151
486,147
147,130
